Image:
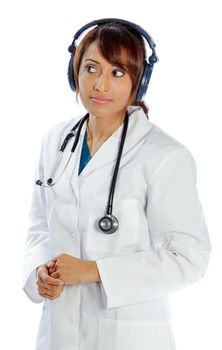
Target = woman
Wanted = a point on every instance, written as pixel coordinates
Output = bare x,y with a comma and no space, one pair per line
104,270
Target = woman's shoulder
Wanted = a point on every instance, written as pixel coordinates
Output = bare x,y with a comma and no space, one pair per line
157,140
65,125
161,140
161,146
61,129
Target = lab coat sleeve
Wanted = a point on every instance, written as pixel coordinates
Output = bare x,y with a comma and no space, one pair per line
37,244
180,246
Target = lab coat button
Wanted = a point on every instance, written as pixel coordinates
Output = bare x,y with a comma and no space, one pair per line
74,235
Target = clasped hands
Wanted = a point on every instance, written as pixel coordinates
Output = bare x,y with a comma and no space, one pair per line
65,269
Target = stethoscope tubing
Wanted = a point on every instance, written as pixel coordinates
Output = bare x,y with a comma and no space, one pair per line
113,183
108,223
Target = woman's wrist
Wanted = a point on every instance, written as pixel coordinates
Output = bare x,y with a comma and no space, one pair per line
91,272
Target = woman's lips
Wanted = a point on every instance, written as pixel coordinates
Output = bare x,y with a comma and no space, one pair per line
100,100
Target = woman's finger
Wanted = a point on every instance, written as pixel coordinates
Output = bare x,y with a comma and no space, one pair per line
50,279
49,288
55,274
52,269
51,263
46,293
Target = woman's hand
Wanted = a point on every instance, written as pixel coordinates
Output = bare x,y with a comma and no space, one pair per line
48,287
73,270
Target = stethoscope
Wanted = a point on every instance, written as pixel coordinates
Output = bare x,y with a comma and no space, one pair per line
108,223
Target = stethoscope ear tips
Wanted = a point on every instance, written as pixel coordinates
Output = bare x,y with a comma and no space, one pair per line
49,182
38,182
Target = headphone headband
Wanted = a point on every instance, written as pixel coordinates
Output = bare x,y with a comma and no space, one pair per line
148,66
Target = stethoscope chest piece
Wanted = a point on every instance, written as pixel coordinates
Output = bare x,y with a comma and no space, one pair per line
108,224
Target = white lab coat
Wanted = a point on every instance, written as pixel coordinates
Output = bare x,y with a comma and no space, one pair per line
161,246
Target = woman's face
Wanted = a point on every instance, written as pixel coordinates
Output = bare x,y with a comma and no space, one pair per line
104,89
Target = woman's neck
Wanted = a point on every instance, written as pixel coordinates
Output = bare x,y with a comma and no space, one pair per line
99,129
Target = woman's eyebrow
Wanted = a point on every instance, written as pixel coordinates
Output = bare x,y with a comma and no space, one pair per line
114,65
90,59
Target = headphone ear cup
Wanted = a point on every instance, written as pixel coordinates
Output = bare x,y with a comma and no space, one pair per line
70,72
144,82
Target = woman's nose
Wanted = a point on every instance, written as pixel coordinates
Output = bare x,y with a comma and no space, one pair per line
102,83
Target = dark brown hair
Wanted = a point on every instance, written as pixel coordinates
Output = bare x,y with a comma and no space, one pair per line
120,45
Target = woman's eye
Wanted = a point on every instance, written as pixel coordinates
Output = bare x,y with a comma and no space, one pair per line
118,73
90,69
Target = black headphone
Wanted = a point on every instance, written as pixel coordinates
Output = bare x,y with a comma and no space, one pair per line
148,66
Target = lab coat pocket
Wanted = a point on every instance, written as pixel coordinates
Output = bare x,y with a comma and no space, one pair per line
132,335
125,238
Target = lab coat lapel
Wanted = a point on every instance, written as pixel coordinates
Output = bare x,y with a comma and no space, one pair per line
71,167
137,128
107,153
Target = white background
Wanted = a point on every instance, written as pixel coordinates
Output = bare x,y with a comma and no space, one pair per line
184,97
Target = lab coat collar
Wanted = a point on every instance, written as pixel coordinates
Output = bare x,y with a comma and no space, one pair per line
138,128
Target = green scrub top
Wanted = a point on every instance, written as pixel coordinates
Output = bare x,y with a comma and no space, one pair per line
85,155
